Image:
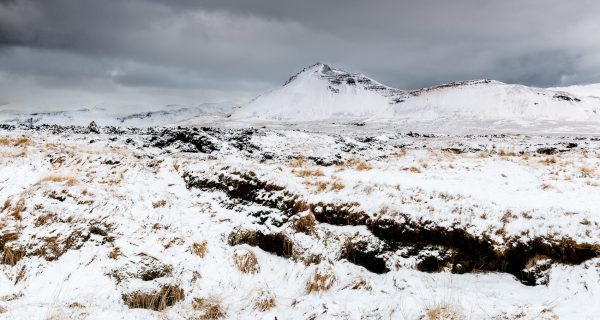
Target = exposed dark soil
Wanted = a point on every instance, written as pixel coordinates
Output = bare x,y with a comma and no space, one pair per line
461,252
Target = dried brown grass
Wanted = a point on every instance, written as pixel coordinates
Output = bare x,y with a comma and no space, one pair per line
11,257
6,205
245,260
549,160
322,279
359,284
336,186
586,172
305,172
504,153
5,141
362,166
444,312
305,224
199,248
68,180
298,162
114,253
414,169
23,141
210,307
158,300
18,209
159,204
43,219
264,300
545,186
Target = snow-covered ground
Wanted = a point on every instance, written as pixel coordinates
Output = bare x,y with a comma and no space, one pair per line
263,223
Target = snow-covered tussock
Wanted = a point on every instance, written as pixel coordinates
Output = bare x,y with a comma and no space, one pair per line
210,223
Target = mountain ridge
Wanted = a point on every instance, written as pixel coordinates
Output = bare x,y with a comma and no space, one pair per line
322,92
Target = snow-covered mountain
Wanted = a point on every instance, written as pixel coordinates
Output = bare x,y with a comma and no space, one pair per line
321,92
589,90
103,117
493,101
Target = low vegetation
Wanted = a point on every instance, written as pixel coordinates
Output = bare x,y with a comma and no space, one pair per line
210,308
322,279
264,300
157,300
245,260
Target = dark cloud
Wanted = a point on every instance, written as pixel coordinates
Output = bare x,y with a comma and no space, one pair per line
194,51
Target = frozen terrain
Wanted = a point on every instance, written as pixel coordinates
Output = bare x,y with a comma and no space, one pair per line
331,197
258,223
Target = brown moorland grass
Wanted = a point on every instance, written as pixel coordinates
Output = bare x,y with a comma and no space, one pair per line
11,257
210,306
444,312
264,300
245,260
322,279
68,180
305,172
199,248
305,224
158,300
586,172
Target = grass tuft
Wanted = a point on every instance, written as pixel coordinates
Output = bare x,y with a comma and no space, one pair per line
264,300
444,312
321,280
210,306
305,224
158,300
245,260
199,248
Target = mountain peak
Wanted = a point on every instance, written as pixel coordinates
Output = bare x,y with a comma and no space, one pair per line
318,68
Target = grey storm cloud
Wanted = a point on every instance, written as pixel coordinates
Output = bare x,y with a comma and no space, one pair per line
58,53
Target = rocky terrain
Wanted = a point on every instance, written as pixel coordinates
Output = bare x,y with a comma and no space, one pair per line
206,223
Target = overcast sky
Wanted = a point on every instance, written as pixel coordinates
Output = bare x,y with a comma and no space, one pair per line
132,54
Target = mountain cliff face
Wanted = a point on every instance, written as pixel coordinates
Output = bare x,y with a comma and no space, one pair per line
321,92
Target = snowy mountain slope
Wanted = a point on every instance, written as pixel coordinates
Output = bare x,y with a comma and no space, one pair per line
320,92
172,116
492,100
324,93
102,117
589,90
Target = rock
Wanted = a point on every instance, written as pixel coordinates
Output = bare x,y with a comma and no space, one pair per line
93,127
547,151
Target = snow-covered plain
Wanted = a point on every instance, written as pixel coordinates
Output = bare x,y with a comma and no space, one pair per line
89,220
